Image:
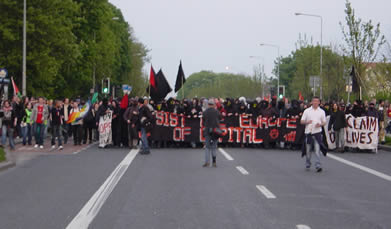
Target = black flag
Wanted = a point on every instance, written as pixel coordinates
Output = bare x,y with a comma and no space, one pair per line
355,84
163,88
180,78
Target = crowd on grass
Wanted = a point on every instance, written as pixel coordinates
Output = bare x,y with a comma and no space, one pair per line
33,120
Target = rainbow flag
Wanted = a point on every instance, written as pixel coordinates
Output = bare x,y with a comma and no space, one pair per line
77,116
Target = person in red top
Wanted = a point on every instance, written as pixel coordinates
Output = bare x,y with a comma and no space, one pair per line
388,120
39,116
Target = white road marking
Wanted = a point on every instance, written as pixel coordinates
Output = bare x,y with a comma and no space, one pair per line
226,155
302,226
361,167
92,207
89,146
242,170
268,194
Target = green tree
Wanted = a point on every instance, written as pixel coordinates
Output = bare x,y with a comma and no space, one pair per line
210,84
363,42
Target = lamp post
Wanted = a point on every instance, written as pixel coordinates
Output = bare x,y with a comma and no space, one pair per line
278,65
94,66
261,74
321,47
24,50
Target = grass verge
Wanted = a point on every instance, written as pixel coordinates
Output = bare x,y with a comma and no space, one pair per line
2,154
388,141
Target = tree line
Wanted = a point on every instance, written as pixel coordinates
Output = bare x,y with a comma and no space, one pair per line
68,42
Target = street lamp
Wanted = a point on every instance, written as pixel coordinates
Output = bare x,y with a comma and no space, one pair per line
24,50
261,69
321,43
278,66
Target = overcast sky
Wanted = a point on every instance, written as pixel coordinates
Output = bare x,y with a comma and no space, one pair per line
214,34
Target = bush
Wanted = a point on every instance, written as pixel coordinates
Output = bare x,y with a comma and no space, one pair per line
388,140
2,154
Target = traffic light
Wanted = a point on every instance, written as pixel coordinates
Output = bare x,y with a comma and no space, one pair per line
281,91
106,86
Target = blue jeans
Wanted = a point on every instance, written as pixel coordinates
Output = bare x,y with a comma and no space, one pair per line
56,133
39,129
144,140
26,133
316,151
10,131
210,148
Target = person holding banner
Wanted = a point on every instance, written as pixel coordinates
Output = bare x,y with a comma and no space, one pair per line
211,120
314,118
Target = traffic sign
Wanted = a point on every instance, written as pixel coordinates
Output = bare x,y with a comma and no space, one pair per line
3,72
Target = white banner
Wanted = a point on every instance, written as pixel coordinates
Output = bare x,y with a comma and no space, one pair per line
361,132
105,133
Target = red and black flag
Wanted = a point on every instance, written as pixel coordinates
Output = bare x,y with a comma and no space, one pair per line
180,78
152,87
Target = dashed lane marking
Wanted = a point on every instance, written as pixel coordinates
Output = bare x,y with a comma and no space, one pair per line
266,192
302,226
242,170
87,214
226,155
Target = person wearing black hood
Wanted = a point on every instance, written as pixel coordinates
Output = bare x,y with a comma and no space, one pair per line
358,109
115,123
131,116
294,111
372,112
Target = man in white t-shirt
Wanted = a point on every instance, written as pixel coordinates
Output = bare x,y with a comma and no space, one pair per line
314,118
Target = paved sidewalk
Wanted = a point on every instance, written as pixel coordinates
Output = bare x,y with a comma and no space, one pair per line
22,153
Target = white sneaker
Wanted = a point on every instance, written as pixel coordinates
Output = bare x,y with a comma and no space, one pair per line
60,148
36,146
53,146
41,147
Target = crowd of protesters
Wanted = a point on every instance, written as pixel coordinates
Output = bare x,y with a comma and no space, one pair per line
31,119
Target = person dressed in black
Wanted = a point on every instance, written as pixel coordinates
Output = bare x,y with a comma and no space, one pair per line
131,116
338,123
56,116
211,119
115,123
89,125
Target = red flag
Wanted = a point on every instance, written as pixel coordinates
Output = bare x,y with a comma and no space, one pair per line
152,80
124,102
16,89
301,98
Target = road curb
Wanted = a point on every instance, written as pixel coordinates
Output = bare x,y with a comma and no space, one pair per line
6,165
385,147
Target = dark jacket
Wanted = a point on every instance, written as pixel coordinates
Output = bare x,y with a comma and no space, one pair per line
56,115
145,117
337,120
211,118
132,114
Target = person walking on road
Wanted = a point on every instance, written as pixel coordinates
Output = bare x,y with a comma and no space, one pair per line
314,118
145,117
211,120
39,116
56,117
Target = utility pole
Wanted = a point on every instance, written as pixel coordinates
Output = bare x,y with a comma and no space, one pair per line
24,50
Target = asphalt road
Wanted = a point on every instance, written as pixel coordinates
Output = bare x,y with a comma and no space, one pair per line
169,189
